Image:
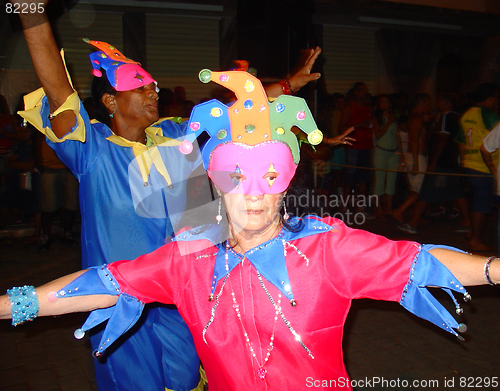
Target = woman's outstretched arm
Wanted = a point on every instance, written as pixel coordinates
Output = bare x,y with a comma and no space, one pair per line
469,269
50,305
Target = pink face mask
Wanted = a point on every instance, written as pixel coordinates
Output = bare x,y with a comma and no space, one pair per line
265,168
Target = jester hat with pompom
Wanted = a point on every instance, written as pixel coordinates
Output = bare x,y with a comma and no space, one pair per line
251,148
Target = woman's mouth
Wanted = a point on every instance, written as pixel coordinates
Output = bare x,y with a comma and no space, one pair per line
254,211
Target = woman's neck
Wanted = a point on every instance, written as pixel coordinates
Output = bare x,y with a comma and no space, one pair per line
243,240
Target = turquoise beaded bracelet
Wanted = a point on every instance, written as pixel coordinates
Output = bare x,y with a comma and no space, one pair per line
24,302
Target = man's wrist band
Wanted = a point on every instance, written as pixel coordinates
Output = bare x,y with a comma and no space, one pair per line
286,87
24,302
487,270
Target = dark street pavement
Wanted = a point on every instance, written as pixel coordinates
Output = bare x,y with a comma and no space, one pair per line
386,348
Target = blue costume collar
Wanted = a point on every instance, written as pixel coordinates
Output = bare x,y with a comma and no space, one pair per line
270,263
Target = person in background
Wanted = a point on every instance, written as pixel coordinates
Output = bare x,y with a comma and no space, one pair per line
165,99
357,113
9,128
338,157
416,155
58,194
401,104
179,99
443,159
20,198
385,156
475,124
491,145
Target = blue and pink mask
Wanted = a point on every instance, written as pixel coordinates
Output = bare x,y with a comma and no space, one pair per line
123,73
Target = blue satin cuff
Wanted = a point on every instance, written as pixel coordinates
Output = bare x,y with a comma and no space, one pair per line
121,317
427,271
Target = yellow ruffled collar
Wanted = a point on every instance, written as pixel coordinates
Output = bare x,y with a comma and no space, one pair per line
148,155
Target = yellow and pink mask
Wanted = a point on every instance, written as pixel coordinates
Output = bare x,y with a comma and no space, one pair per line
251,149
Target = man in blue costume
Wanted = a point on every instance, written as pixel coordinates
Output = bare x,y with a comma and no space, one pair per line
132,173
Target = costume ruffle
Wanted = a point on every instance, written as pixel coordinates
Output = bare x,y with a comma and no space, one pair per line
121,317
37,113
426,271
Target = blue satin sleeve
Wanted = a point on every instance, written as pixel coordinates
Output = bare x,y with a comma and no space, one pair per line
121,317
426,271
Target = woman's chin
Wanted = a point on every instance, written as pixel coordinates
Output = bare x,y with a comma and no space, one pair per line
253,222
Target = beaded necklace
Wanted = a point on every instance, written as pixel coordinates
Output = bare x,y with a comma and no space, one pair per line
261,371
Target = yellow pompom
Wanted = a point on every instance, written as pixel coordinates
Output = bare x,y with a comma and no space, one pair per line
315,137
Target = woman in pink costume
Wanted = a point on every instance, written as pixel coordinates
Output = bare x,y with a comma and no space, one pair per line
264,295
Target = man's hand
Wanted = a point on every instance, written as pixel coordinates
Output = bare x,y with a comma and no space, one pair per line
341,139
303,75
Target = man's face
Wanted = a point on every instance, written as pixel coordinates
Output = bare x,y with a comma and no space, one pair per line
443,105
139,104
361,92
493,102
426,106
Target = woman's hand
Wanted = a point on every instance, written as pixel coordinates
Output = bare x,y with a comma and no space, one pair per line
341,139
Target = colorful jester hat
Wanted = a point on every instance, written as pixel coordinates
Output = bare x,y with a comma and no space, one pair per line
251,149
123,73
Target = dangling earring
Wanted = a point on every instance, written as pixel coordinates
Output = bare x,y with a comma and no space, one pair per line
219,217
286,216
113,113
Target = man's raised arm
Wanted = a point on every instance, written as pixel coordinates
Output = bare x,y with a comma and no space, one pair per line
47,62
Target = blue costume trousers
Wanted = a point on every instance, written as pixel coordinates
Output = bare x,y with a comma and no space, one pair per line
161,336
